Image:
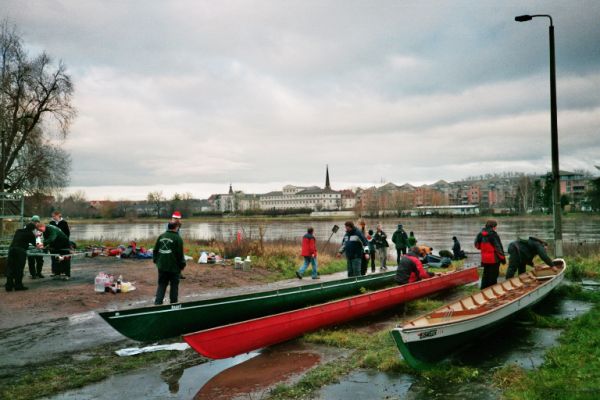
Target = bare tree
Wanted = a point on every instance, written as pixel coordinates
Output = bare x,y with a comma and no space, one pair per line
156,199
35,96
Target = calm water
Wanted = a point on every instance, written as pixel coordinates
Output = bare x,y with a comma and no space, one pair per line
434,232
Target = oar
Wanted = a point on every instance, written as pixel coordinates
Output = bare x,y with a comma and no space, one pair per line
333,231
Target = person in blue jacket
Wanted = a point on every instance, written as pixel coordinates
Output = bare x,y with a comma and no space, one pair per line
354,246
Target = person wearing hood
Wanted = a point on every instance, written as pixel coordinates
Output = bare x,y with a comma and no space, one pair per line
521,253
17,256
492,253
457,252
400,240
410,269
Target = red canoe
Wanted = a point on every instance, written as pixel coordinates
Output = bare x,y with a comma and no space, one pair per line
242,337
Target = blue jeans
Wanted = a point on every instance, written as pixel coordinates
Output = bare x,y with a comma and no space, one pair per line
309,260
353,265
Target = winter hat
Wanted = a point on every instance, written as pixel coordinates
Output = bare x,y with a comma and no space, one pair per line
176,214
399,226
35,218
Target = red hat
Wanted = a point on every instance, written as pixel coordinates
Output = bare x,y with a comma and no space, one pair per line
176,214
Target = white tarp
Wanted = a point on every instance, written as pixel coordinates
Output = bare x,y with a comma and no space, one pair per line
131,351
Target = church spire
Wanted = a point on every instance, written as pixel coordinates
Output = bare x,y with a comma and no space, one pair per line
230,189
327,185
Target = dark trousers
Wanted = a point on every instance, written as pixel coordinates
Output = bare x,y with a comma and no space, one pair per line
35,264
490,274
514,262
15,264
372,255
164,279
399,252
61,267
364,265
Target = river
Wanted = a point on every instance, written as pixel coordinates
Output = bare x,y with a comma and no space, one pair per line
435,232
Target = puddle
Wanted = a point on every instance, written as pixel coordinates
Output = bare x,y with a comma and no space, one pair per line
363,384
149,384
257,375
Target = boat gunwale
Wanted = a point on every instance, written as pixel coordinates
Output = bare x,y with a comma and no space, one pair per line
177,307
544,281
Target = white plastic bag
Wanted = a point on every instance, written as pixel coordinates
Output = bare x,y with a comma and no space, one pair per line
203,258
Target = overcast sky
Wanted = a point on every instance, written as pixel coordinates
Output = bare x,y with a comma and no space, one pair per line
188,96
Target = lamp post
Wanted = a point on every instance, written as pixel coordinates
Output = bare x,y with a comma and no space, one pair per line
556,209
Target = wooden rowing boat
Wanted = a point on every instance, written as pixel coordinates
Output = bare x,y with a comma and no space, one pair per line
430,338
230,340
161,322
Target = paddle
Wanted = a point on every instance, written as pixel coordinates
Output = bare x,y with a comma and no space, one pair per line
333,231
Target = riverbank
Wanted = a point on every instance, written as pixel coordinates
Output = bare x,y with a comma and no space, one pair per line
63,345
308,218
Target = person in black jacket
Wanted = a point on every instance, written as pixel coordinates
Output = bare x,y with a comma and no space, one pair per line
61,267
521,253
381,246
458,253
17,256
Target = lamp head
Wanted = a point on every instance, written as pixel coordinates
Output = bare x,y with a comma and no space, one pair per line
523,18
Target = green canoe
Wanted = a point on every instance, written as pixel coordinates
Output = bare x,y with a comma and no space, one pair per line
161,322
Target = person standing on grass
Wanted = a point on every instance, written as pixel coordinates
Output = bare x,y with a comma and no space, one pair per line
412,240
17,256
309,252
381,246
169,260
353,245
492,253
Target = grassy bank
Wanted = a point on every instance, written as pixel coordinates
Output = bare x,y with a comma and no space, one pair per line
571,370
280,257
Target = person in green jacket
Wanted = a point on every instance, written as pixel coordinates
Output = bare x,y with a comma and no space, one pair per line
169,259
17,256
412,240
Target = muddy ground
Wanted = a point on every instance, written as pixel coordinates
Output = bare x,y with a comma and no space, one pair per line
49,299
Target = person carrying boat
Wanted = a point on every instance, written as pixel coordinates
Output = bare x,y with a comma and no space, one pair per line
57,242
410,269
169,260
17,256
381,246
492,253
521,253
400,240
309,252
355,246
458,253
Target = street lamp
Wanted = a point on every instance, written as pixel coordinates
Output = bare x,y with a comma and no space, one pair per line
556,209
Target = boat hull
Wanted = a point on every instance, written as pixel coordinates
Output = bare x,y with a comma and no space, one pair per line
424,346
162,322
234,339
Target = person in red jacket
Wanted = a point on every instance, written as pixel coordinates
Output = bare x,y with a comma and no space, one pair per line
492,253
309,252
410,269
